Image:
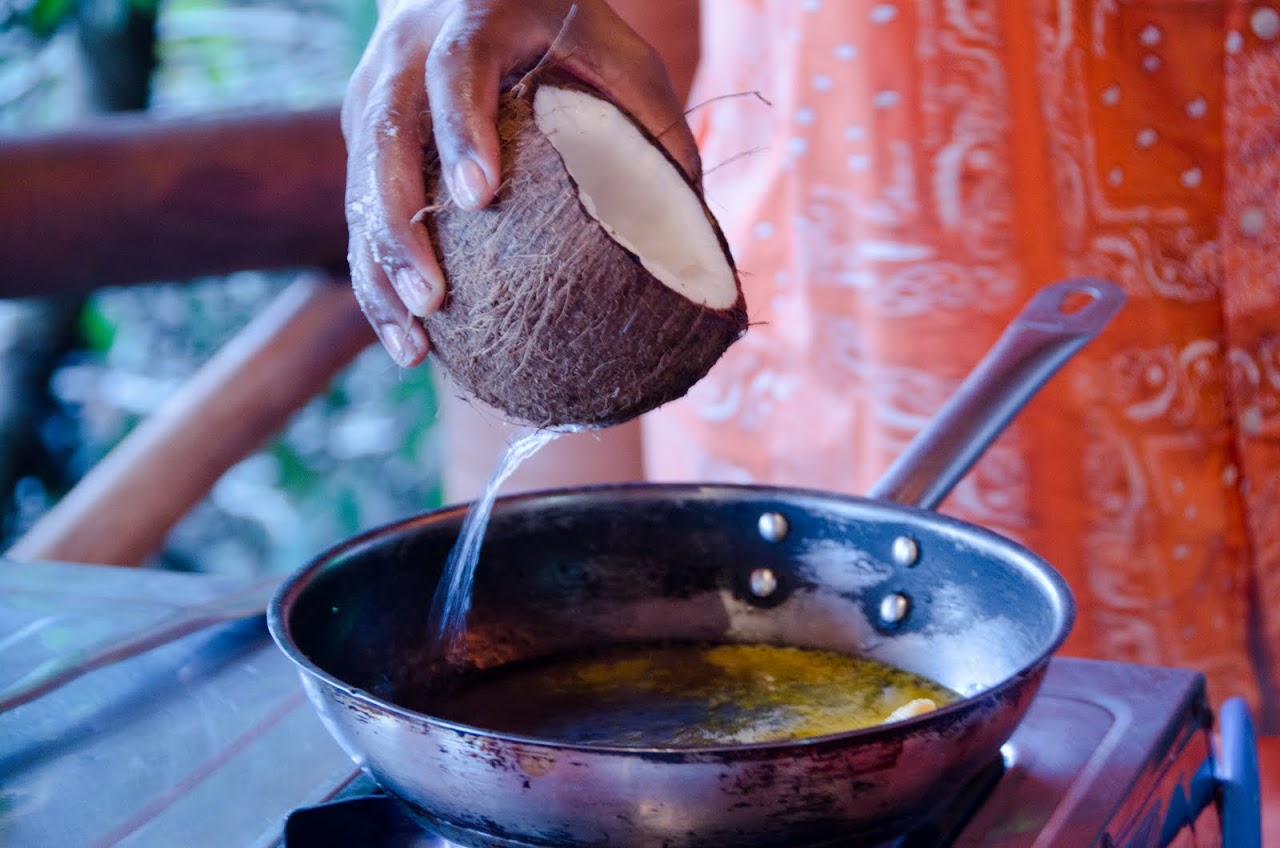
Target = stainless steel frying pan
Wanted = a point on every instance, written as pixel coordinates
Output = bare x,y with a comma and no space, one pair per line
561,571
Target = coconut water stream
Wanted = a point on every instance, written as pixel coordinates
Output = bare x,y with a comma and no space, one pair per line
452,601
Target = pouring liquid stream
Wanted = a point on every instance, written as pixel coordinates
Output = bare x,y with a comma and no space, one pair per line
448,618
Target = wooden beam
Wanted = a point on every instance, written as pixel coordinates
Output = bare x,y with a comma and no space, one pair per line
121,511
127,199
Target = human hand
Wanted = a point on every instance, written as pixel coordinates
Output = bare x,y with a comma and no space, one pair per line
430,77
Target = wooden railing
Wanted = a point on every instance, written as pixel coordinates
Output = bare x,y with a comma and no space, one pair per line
126,200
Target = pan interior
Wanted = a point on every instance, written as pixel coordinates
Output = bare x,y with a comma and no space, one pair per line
566,574
684,695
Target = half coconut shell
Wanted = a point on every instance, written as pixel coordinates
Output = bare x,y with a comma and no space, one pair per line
597,286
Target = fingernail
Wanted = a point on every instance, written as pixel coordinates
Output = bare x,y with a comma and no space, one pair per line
393,338
469,184
415,291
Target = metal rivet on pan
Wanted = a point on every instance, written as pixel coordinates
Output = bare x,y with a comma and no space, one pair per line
773,526
905,551
763,582
894,607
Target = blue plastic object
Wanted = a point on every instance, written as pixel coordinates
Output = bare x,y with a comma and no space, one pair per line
1238,776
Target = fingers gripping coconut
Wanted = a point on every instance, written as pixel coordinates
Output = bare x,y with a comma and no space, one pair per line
554,243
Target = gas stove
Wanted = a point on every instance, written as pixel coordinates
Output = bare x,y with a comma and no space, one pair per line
210,741
1109,755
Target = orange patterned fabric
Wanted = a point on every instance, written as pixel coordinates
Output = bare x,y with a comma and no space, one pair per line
921,168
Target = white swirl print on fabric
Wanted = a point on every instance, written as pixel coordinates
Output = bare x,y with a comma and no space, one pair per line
1167,383
1256,378
1180,266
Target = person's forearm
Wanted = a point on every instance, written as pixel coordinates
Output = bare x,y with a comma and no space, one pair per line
673,27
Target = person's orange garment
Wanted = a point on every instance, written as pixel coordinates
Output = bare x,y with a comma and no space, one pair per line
919,170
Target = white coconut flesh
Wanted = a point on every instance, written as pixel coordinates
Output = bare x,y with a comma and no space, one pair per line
636,194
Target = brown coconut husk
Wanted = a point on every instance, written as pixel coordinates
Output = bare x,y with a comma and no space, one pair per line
546,317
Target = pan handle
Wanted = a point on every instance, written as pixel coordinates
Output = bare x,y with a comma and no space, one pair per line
1058,321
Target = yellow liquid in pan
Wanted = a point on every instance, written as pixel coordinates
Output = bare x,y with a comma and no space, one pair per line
688,695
